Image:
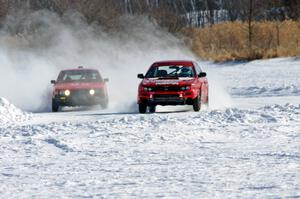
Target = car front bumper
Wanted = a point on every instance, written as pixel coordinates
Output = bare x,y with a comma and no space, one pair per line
81,98
167,98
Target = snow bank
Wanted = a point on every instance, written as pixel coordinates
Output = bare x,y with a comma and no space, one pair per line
255,152
266,91
260,78
270,114
11,114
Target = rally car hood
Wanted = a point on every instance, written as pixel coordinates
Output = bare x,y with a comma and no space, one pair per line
167,81
79,85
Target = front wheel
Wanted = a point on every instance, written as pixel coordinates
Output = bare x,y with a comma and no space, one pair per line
142,108
55,106
207,101
152,109
104,104
197,104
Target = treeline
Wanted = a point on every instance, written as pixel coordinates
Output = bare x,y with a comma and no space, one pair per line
219,29
174,14
229,41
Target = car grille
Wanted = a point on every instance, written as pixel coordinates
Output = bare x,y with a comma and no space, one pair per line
167,97
167,88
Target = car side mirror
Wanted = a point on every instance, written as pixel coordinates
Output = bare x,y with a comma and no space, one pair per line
106,80
141,76
202,74
53,82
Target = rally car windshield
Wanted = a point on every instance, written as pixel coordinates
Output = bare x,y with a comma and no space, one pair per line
79,76
170,71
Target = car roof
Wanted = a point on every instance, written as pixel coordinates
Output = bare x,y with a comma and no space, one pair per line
174,62
78,69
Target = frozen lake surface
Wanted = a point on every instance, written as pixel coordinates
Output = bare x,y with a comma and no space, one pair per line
249,149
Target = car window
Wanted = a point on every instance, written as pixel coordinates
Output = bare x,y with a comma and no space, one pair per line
197,67
170,71
79,76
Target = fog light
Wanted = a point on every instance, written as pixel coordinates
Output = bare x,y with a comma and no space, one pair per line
92,92
185,88
67,93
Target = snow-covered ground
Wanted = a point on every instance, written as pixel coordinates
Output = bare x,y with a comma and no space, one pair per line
275,77
248,150
10,115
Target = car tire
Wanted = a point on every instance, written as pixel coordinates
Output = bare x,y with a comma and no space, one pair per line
197,104
152,109
55,106
207,101
207,98
142,108
104,104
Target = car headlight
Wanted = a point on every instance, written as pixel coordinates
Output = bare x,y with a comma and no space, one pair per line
148,89
185,88
67,93
92,92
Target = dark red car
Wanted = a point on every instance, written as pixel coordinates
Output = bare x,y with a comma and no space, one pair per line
79,87
172,83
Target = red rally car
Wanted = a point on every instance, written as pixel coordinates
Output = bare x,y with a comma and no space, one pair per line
172,83
79,87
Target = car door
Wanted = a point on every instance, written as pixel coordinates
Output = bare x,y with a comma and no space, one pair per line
204,84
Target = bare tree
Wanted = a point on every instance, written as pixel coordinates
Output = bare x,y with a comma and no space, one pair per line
293,8
3,9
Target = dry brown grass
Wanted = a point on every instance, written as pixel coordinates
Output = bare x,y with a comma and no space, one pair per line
229,41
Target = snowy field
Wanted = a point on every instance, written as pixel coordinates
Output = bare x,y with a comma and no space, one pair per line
248,150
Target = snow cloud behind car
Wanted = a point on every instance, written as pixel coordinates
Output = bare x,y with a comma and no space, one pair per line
35,46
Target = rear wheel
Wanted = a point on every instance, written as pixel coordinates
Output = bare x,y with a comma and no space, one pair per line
55,106
104,104
207,101
207,98
152,109
197,104
142,108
